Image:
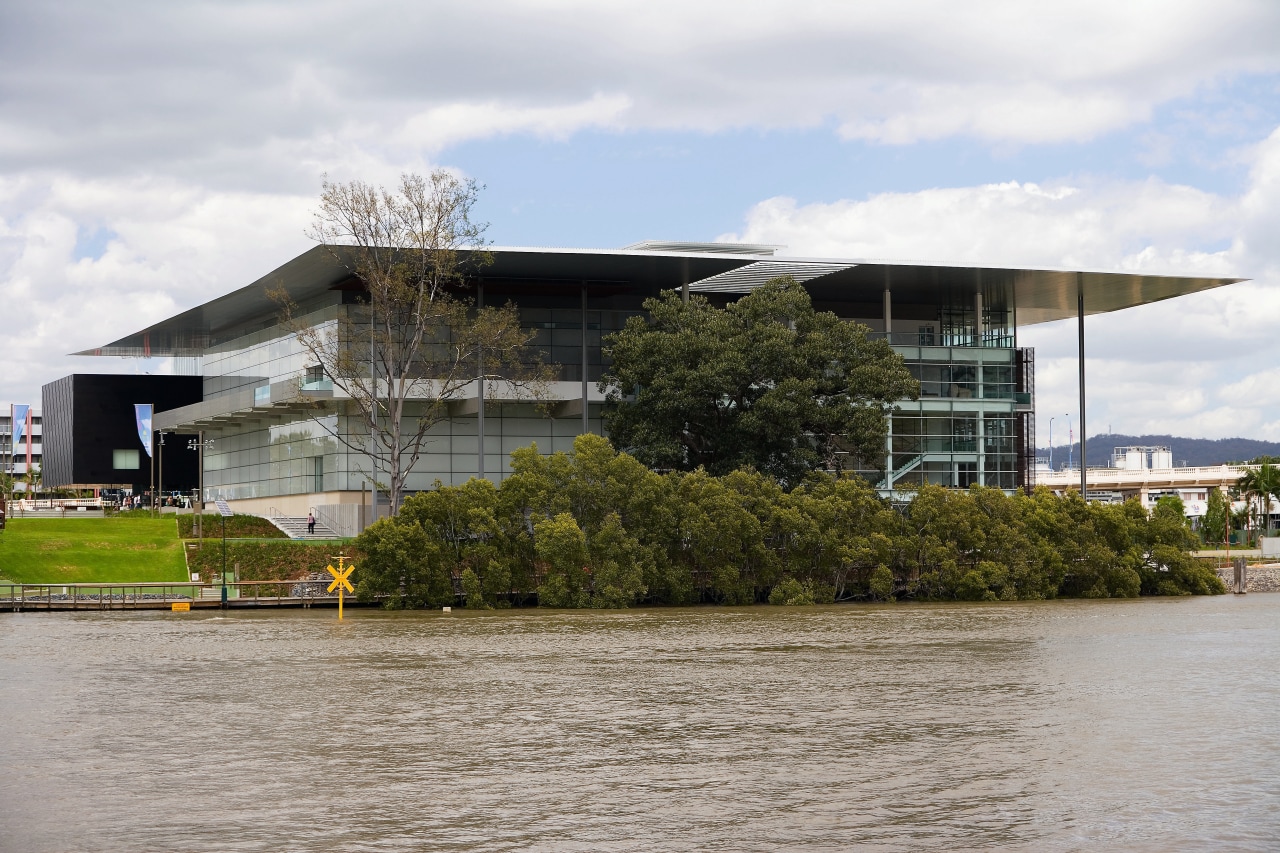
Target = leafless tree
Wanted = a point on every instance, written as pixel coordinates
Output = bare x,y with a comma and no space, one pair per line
419,342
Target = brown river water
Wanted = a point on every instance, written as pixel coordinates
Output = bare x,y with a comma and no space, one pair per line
1071,725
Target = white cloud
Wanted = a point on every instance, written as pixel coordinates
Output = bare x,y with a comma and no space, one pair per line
256,94
436,128
175,246
1198,365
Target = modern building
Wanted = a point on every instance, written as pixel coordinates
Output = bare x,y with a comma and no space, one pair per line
272,415
91,435
23,422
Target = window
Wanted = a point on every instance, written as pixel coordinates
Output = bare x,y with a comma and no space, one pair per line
124,460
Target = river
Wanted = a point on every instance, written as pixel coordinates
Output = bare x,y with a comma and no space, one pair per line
1148,725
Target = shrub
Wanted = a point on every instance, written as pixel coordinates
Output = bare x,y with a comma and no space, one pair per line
238,527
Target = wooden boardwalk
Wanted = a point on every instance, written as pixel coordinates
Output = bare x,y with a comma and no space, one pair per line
241,595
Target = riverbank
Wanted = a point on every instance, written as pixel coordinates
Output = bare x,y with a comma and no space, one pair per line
1260,578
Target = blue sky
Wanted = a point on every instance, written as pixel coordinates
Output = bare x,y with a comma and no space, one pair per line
155,155
602,189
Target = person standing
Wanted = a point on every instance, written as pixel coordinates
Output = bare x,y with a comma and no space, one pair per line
311,523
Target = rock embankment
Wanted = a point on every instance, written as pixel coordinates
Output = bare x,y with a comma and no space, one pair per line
1264,578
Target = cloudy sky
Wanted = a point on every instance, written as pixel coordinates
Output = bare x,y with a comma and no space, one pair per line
156,154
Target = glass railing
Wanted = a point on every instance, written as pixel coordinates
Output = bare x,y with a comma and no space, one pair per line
969,390
937,339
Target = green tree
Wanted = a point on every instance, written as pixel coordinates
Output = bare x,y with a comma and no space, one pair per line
562,547
880,584
473,590
595,528
403,565
1259,485
33,480
767,383
1166,566
792,593
619,565
1214,527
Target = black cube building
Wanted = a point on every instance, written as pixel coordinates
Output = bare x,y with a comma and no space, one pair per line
91,436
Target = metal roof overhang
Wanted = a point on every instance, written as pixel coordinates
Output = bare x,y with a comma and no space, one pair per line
1037,295
317,271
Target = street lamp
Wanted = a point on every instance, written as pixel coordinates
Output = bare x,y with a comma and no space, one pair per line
1071,441
159,478
199,444
1050,444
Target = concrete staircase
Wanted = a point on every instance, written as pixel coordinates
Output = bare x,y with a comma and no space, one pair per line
295,527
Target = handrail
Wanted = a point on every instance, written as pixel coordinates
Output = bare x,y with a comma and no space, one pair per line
1095,474
32,504
143,594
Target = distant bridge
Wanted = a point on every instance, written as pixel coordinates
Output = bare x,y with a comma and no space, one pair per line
1192,484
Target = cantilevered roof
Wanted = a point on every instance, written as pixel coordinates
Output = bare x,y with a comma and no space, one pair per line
1036,295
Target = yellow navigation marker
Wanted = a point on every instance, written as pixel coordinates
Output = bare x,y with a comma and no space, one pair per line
340,581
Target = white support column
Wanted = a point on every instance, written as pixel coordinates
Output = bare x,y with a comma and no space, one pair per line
586,424
1084,477
480,395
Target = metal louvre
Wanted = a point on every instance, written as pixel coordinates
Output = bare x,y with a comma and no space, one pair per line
748,278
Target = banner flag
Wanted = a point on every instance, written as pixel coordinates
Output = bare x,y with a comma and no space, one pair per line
19,422
142,414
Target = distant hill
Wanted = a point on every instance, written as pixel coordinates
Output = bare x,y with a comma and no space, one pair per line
1186,451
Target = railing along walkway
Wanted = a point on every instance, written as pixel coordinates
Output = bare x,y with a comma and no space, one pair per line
1210,475
20,597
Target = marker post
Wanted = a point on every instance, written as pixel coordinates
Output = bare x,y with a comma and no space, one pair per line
340,581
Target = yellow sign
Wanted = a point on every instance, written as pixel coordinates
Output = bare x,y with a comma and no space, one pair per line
181,606
340,581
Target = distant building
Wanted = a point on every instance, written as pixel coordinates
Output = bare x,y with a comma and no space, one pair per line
92,440
27,453
955,326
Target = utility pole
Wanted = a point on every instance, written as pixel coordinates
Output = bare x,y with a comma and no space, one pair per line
160,475
199,445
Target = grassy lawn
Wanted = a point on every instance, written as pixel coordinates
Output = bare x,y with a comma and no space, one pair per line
91,550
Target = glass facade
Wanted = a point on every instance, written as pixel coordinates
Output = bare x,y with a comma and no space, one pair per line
256,457
964,429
